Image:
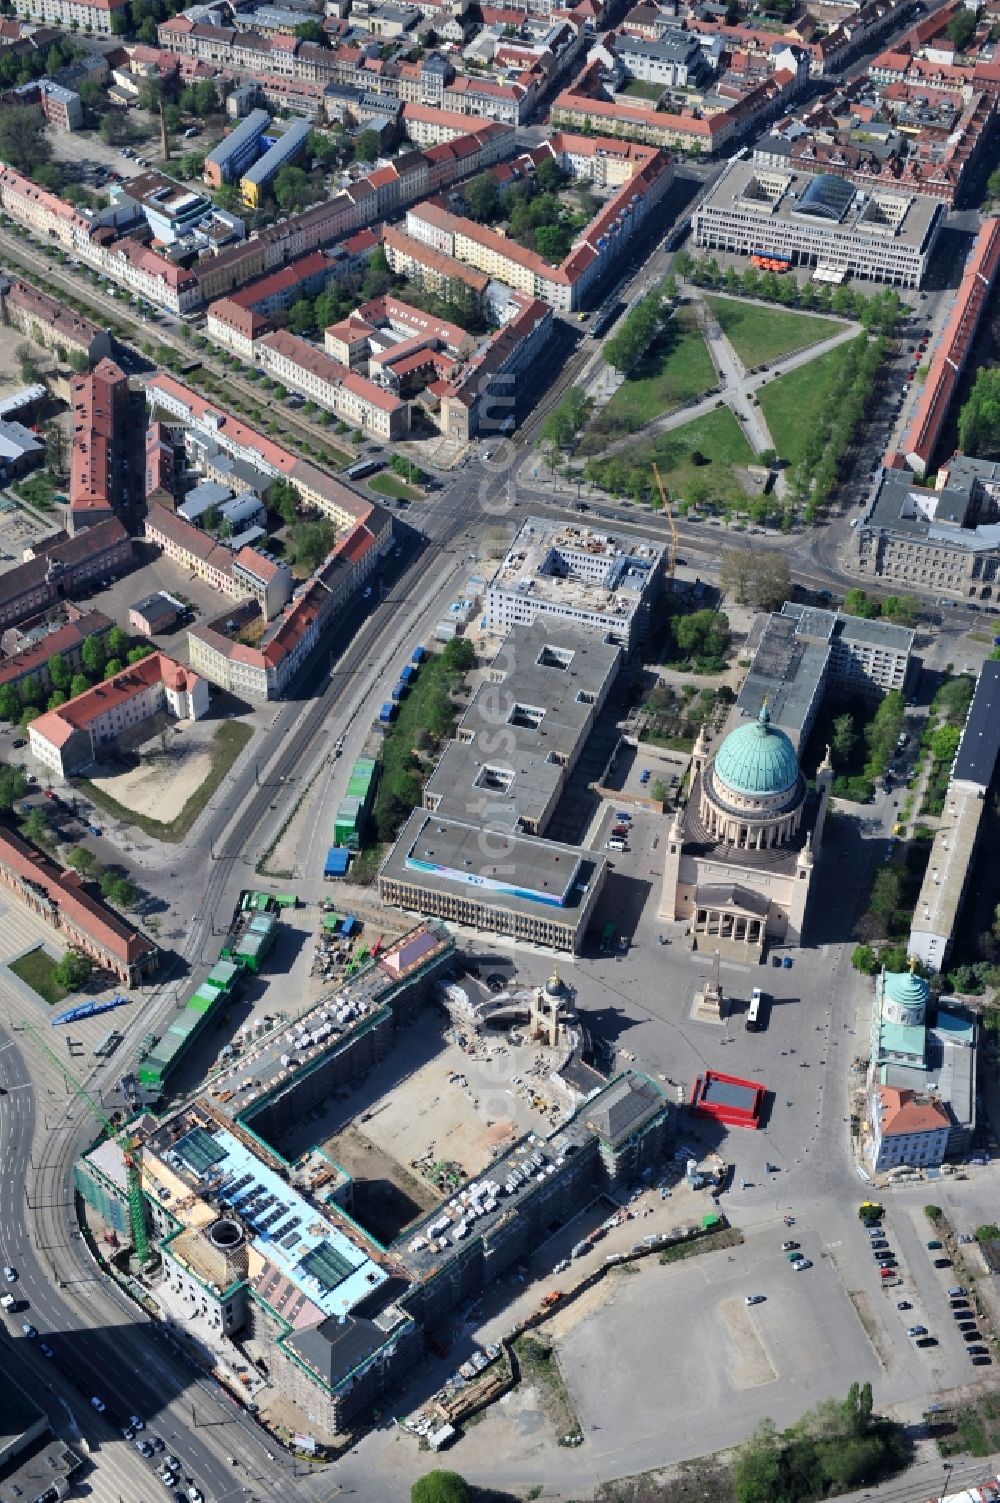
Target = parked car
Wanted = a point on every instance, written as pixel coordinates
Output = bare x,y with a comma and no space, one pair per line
754,1299
789,1246
942,1262
802,1264
917,1331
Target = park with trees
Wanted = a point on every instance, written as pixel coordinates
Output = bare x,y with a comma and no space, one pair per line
426,718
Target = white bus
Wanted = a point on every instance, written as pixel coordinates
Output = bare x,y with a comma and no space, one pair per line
753,1014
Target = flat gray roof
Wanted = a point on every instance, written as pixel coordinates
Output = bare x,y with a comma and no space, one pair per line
980,744
788,670
823,202
524,726
813,621
517,872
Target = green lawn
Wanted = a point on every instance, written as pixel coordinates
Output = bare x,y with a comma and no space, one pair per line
792,403
716,435
761,334
37,970
676,366
390,485
636,88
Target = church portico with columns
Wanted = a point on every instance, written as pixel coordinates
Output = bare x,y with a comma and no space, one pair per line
740,856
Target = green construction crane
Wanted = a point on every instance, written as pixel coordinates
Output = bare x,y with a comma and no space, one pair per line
127,1142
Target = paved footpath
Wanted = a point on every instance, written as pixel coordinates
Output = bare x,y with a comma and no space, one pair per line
737,384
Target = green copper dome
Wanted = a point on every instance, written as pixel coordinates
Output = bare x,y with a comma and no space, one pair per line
906,988
757,759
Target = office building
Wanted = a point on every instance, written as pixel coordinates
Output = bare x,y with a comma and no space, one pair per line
532,891
820,221
289,145
802,652
236,152
577,575
943,541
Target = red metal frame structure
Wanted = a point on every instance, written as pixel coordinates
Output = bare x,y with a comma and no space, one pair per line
702,1104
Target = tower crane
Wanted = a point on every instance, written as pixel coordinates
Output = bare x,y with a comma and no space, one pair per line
127,1141
668,513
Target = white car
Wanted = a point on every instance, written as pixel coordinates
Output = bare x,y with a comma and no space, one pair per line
755,1299
136,1422
802,1263
366,592
97,1404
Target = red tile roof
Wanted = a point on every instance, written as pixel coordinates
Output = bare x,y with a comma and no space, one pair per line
64,890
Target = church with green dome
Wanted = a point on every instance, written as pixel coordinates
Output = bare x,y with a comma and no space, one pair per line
740,857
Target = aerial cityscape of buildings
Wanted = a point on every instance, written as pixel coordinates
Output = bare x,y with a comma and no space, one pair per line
499,738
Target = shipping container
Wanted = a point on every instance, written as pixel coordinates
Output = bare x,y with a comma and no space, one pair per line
387,713
336,862
407,675
418,654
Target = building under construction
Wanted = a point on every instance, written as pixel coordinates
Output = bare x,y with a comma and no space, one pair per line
262,1251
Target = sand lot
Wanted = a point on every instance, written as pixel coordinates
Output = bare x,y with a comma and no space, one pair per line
166,774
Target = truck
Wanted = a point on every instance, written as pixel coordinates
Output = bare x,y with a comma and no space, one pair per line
552,1298
388,713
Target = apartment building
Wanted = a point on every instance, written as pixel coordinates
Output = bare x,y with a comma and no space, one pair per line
103,17
675,60
490,377
46,638
431,269
49,323
80,920
952,350
60,567
354,399
239,652
427,126
264,579
101,407
73,736
820,221
245,574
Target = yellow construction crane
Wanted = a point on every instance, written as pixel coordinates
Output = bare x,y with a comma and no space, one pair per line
668,513
127,1141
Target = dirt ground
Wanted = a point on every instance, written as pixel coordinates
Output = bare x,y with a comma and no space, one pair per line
167,773
386,1196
